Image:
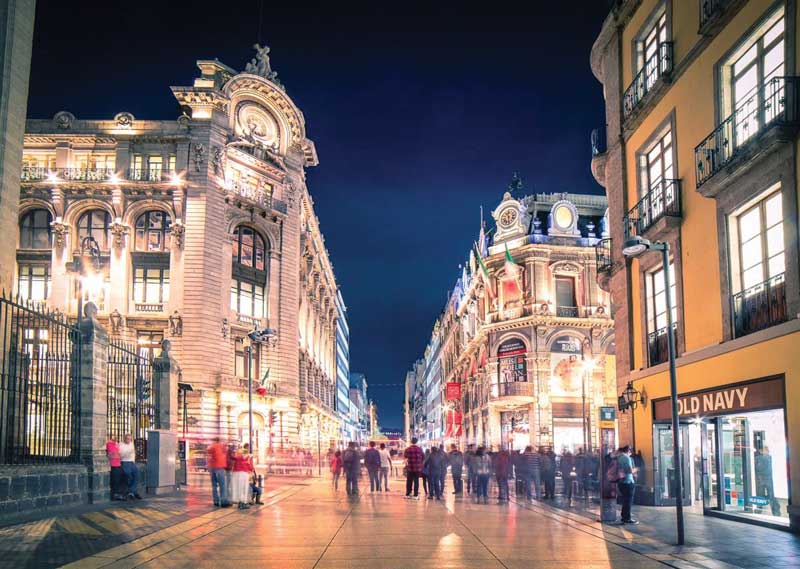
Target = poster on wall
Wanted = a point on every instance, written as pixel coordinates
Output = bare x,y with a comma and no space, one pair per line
566,367
511,359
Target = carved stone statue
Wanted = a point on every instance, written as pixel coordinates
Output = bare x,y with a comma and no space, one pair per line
262,55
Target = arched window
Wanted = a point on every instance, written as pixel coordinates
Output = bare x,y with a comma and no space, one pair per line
95,223
249,274
248,248
34,229
153,231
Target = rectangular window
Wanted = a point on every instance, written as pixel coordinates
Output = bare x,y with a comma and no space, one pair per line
154,164
247,298
759,244
241,359
565,292
651,48
657,164
149,343
33,282
137,171
46,161
150,285
172,163
657,299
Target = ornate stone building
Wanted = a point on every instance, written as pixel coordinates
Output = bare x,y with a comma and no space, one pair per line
195,230
525,344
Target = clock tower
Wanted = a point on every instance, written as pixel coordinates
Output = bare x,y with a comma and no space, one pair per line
510,218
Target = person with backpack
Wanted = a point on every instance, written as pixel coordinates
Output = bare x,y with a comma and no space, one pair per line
626,483
352,468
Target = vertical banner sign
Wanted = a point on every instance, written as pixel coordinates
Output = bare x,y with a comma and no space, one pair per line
452,391
452,424
608,483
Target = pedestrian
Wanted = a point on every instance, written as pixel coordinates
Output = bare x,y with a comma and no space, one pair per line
425,478
240,474
549,473
502,470
256,488
483,470
533,470
414,458
372,460
436,463
626,483
456,461
117,475
352,468
127,454
336,466
472,476
568,474
386,466
229,471
217,462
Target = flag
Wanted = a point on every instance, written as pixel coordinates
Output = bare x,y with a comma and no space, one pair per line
262,385
487,281
511,284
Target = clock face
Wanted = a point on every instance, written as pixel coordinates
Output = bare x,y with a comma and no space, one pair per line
508,217
563,217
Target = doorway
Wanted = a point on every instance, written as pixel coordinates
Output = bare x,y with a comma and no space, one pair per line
664,479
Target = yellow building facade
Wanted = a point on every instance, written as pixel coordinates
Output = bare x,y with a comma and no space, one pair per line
700,151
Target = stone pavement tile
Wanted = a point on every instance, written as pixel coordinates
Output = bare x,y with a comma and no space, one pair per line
390,551
406,563
214,564
632,564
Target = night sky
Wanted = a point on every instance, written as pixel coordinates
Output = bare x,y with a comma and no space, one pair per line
420,114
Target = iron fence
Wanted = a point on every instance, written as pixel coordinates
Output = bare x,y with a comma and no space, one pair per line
602,253
760,306
711,10
658,65
776,102
132,401
663,200
658,344
39,385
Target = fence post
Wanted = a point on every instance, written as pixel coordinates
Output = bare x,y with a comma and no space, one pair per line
93,404
166,372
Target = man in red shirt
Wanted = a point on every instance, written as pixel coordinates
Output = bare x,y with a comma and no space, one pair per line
414,458
217,462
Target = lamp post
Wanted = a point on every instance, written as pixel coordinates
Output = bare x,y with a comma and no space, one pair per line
268,337
85,265
634,247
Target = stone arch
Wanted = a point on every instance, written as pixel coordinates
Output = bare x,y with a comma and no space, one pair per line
509,336
257,224
35,203
133,211
559,332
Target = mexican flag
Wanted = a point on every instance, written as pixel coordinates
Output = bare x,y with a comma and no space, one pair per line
262,385
487,281
512,282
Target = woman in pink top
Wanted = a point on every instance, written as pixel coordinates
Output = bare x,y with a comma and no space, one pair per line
117,474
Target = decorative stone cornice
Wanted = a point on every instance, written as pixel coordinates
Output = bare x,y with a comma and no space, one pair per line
118,232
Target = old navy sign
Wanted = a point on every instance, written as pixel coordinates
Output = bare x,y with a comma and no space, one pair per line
735,398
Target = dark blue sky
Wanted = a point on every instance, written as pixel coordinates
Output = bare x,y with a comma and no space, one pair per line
420,114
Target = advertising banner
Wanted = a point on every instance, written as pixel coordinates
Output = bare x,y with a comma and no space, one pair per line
452,391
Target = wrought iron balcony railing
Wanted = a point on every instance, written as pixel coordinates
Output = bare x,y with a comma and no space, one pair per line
759,306
711,10
84,174
602,255
663,200
658,65
774,103
658,345
151,175
598,141
149,307
33,173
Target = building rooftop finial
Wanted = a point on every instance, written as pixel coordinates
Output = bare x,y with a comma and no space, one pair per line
516,183
260,65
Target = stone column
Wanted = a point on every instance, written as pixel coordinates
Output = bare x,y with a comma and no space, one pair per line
166,374
94,405
16,19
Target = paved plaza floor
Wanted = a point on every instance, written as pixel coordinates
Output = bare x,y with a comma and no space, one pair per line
306,525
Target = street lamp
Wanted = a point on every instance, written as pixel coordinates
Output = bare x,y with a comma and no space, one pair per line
87,266
634,247
269,337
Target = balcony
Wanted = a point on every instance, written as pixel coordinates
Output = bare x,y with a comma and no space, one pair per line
662,202
513,393
714,14
767,117
156,175
647,80
602,255
37,174
658,345
149,307
759,306
33,174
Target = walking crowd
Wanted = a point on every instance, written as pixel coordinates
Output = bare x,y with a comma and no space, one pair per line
233,475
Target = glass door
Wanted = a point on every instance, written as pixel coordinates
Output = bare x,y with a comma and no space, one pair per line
664,479
710,466
735,464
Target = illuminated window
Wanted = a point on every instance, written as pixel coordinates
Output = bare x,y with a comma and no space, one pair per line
46,161
149,343
247,298
95,223
651,43
153,231
172,163
137,170
154,167
151,285
760,243
657,299
249,249
33,281
34,229
241,359
657,163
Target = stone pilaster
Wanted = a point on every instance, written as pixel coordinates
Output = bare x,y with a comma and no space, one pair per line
16,17
165,376
94,404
